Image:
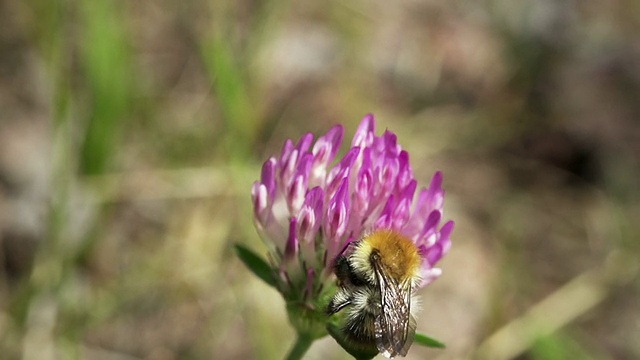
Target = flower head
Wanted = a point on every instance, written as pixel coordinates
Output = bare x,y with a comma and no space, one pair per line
308,207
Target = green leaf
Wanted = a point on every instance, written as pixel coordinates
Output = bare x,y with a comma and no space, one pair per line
256,264
424,340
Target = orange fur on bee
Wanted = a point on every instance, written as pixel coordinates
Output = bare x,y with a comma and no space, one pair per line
398,254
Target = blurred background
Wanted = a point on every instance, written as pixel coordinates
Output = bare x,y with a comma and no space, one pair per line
131,132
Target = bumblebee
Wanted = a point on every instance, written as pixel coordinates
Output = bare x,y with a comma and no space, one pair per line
376,276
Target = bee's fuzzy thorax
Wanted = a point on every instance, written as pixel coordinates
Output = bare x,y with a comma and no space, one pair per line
399,255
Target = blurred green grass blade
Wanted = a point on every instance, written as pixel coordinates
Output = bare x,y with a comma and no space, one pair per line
228,79
424,340
561,346
107,62
256,264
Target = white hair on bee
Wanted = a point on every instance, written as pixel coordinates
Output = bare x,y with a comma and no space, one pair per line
341,297
360,260
416,305
365,299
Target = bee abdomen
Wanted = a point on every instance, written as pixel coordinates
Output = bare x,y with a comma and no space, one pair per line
360,328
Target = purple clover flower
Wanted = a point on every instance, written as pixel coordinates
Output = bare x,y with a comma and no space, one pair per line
308,209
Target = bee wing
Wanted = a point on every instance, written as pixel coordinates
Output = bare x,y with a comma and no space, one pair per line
395,327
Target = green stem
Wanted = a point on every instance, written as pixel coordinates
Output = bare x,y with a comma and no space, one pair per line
303,343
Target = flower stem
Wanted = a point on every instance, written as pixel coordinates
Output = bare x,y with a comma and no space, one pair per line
303,343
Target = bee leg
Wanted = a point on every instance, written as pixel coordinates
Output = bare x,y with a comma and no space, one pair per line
341,300
341,268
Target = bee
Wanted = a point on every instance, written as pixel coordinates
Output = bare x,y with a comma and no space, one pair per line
376,276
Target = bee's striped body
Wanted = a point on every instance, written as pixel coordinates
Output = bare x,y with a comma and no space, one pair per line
375,283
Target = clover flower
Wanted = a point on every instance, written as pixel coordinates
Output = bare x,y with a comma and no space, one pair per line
307,208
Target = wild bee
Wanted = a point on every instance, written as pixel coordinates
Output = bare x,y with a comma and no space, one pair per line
376,276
